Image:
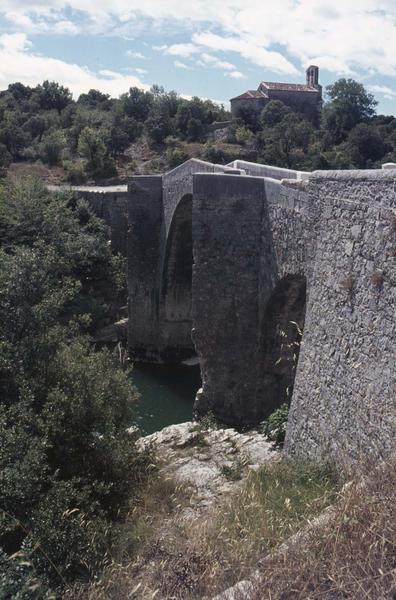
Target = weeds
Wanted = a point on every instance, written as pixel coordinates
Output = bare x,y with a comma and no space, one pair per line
206,423
197,558
273,503
274,428
352,556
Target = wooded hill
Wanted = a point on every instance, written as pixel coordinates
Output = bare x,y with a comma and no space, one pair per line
97,137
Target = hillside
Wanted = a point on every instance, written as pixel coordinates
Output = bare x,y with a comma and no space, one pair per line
102,139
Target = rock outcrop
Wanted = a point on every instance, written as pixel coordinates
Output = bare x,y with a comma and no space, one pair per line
209,464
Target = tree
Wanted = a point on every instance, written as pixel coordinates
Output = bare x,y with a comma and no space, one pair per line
68,466
365,144
349,105
158,126
36,126
95,99
52,147
248,116
12,135
53,96
137,103
92,148
287,144
273,113
5,159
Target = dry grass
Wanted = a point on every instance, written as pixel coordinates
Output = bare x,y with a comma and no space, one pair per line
138,540
195,558
352,556
273,504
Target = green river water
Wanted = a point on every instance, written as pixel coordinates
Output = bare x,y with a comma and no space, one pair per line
167,394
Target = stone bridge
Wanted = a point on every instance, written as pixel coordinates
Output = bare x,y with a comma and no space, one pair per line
283,285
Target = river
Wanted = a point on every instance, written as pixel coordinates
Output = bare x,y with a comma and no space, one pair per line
167,394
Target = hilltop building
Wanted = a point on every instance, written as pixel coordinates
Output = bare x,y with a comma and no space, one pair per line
304,98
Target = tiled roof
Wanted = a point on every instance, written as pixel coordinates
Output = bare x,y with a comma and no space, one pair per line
251,94
288,87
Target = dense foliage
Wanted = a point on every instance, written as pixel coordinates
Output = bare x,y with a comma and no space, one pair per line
89,137
67,464
349,135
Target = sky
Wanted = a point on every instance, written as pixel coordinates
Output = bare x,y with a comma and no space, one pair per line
213,49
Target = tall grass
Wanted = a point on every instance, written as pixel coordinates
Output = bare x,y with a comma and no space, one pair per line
352,555
275,501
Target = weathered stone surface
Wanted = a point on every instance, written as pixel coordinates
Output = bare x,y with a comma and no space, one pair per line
344,400
197,459
236,256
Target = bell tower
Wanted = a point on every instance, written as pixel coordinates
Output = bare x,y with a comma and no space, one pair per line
313,76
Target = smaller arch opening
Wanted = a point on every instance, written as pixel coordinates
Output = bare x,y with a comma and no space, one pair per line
281,335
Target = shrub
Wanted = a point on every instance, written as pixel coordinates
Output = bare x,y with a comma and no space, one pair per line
214,154
69,468
243,135
206,422
176,157
75,171
275,426
52,147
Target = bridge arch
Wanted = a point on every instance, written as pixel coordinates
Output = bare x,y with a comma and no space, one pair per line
176,283
281,332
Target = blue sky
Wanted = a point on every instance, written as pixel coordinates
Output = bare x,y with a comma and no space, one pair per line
210,48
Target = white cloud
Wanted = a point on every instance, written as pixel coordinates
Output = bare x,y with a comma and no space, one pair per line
207,59
42,26
133,54
19,63
184,50
140,71
182,65
235,75
248,49
354,36
385,91
14,43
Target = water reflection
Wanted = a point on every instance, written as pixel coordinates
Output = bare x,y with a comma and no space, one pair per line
167,394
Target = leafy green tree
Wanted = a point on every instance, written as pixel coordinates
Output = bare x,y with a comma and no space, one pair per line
92,148
53,96
36,126
137,103
158,126
349,105
365,145
287,144
12,135
96,99
52,147
5,159
248,116
273,113
69,467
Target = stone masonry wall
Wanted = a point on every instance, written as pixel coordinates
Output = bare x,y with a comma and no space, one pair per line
258,170
344,400
250,234
227,216
268,251
159,321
